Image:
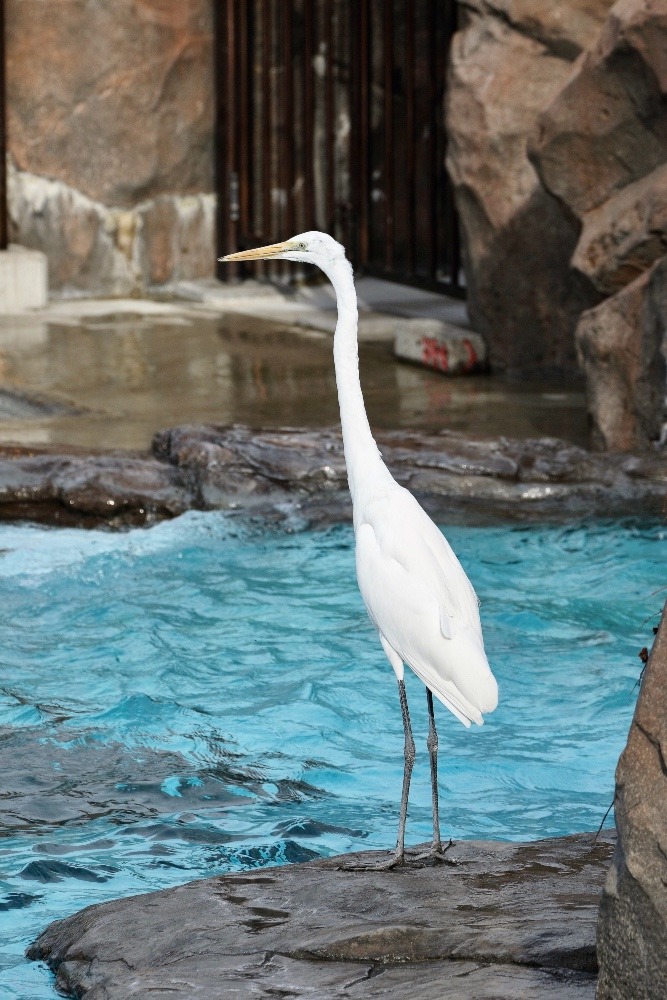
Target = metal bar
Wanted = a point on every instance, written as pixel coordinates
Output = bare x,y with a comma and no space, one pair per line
266,157
3,134
244,88
330,197
435,170
227,225
410,131
308,114
360,116
288,117
388,42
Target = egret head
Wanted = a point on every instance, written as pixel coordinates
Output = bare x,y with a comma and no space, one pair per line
308,248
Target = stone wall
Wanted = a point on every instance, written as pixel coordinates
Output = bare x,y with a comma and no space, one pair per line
558,153
110,140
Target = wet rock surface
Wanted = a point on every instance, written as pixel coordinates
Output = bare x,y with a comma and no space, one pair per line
299,476
632,930
506,920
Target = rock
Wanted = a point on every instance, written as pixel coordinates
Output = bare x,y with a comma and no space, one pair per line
506,65
114,490
96,250
625,235
110,141
119,104
445,347
608,126
632,928
299,476
565,31
78,235
620,345
175,239
510,920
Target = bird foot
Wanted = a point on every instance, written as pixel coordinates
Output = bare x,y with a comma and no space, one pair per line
394,861
437,854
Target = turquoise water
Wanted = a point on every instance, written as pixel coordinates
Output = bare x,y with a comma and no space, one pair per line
206,695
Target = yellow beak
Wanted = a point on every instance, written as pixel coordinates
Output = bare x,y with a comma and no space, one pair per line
261,253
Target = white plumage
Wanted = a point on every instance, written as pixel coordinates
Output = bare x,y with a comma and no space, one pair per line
414,588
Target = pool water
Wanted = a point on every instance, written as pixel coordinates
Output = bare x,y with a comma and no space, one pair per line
208,695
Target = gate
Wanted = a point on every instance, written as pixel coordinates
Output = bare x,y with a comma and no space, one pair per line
330,116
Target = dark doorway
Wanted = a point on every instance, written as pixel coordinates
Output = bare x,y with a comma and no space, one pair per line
330,116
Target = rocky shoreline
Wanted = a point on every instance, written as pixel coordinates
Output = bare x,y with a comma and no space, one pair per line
299,476
504,920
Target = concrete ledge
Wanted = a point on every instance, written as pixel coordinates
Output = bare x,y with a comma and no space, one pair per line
23,279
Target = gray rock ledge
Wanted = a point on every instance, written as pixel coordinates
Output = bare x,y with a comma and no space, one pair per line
507,921
299,475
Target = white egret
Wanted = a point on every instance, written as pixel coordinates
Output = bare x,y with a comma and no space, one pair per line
416,592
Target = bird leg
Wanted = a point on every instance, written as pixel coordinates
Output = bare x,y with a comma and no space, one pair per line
432,745
408,761
437,852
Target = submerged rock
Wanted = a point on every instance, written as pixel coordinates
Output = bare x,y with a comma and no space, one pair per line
506,920
632,930
299,476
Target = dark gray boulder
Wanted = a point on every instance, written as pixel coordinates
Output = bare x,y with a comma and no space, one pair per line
506,920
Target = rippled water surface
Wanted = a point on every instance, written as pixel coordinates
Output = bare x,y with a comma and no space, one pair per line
205,696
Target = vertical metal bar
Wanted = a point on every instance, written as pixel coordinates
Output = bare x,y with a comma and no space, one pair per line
330,198
3,134
435,169
244,88
308,114
410,131
388,43
267,146
287,152
226,161
360,119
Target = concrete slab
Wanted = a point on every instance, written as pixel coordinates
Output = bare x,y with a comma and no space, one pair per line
23,279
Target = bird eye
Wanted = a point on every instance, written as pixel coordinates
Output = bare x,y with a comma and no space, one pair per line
303,246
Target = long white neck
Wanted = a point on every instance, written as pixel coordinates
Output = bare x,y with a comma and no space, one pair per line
366,472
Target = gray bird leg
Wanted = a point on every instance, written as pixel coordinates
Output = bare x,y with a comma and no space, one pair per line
432,745
398,856
408,762
437,852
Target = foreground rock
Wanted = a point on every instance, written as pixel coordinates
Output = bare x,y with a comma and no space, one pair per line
632,932
508,920
299,476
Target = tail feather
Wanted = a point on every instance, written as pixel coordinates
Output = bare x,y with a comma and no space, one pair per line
449,695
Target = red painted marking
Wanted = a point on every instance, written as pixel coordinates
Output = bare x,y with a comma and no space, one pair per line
435,354
472,354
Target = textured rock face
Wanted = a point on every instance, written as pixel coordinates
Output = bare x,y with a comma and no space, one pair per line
607,127
624,236
507,920
620,346
632,928
601,149
96,250
110,132
299,477
507,64
119,104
